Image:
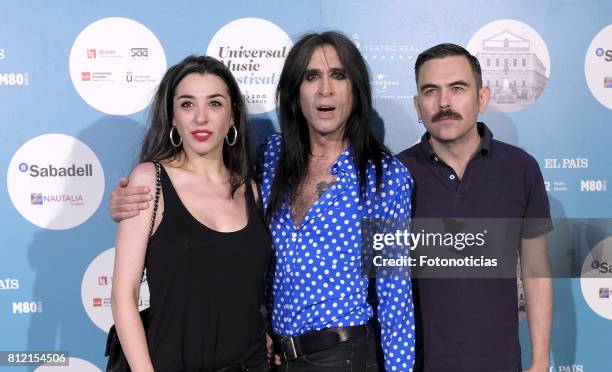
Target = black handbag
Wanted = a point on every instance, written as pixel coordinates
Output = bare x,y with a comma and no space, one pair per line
116,358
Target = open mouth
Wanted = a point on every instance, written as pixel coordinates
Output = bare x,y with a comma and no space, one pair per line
326,108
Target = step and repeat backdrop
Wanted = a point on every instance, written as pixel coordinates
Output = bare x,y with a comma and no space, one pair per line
76,79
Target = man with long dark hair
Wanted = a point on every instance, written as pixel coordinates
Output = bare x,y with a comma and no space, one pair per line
320,178
471,324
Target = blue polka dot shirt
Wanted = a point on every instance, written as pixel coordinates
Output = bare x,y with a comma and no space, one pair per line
317,281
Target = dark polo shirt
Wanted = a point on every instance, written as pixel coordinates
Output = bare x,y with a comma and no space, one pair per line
472,324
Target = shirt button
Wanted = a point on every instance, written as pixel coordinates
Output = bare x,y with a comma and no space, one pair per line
452,177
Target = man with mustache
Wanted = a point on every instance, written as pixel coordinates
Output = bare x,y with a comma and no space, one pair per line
460,171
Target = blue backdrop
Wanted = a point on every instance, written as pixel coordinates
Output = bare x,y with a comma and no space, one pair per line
46,299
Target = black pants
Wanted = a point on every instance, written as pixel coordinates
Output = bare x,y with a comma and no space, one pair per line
355,355
256,362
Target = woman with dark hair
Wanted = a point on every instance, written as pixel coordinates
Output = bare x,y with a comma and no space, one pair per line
209,249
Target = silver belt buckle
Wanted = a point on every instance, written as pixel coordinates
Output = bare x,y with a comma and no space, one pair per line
288,343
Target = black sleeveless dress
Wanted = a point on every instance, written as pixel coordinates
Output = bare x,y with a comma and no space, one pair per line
206,289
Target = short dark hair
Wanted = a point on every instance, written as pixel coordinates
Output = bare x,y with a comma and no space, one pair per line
295,143
156,144
449,50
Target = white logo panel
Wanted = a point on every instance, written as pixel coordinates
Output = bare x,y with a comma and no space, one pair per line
598,67
596,279
55,181
96,290
116,64
515,63
254,50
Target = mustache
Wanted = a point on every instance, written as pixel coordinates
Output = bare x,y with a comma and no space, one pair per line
450,114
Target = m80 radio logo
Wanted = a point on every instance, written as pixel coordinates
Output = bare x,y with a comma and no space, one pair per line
14,79
27,307
593,185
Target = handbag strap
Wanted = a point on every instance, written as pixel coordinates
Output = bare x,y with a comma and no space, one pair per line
157,192
155,204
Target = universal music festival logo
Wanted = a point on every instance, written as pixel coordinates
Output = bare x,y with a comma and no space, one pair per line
254,50
246,60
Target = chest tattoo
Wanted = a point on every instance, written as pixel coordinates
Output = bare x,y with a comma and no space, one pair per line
306,196
323,186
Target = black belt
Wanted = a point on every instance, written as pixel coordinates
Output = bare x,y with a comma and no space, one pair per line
292,348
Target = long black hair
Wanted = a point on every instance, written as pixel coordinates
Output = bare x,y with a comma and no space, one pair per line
156,144
295,144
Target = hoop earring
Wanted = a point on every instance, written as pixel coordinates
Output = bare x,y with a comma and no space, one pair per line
235,137
172,139
420,120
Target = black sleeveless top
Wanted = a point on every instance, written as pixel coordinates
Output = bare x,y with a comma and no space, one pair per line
206,289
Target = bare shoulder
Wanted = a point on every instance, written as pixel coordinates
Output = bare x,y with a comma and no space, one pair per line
143,174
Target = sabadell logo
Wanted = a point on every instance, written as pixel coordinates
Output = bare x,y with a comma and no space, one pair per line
596,278
597,63
55,181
